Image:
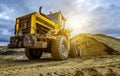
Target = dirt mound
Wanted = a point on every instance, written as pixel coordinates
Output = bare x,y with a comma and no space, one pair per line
92,44
112,42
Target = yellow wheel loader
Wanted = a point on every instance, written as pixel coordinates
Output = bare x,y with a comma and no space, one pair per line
38,33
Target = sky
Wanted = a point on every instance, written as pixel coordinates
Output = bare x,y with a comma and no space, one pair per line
83,16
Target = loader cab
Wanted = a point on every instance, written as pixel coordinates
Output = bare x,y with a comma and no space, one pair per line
58,18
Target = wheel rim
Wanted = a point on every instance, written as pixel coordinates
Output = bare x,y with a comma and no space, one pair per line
64,47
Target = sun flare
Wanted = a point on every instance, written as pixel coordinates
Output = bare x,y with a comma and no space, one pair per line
78,24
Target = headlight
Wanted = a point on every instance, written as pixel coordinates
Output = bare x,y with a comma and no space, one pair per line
20,33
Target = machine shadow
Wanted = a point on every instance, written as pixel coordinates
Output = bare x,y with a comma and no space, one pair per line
42,60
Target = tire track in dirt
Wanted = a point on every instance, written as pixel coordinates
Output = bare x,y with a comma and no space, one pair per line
69,67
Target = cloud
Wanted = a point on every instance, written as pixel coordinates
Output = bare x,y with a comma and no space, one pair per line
5,32
6,23
6,11
5,35
94,17
83,16
106,19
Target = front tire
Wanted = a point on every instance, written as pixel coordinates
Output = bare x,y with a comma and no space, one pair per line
60,48
33,54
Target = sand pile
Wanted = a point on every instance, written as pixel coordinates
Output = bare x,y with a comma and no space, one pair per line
112,42
89,46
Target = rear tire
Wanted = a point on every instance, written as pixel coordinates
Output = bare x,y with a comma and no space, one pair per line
73,51
33,54
60,48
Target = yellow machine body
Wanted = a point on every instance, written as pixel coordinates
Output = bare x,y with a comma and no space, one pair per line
37,28
37,33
